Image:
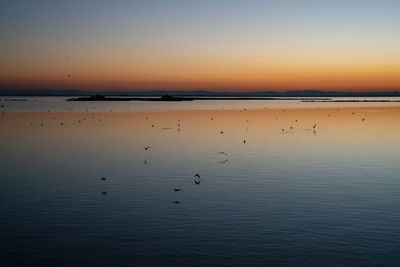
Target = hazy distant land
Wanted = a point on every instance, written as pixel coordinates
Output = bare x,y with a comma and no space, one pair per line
198,93
170,98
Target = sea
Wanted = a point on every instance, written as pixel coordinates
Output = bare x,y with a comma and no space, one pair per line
199,183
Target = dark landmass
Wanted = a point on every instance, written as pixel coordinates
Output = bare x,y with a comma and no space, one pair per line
105,98
181,98
13,99
199,93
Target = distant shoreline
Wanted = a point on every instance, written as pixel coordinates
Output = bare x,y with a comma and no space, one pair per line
169,98
196,94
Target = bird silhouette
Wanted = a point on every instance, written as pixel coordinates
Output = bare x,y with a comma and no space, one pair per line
147,147
103,178
177,189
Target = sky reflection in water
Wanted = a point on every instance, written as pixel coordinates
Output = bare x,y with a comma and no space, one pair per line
285,196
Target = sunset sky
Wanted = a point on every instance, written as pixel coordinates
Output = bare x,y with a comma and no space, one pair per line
210,45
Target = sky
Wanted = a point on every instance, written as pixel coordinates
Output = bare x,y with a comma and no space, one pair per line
200,45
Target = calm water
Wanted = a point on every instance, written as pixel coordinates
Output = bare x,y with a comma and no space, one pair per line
328,195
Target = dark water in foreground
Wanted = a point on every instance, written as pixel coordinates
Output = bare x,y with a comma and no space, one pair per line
287,197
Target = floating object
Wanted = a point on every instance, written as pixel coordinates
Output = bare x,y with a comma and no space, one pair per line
103,178
176,202
147,147
197,178
177,189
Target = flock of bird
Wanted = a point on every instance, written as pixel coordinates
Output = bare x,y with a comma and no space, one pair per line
196,176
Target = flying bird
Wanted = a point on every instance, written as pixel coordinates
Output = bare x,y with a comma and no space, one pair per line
147,147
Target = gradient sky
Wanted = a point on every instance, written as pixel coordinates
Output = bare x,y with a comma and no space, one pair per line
214,45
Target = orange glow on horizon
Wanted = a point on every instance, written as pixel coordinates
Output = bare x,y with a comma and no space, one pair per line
240,74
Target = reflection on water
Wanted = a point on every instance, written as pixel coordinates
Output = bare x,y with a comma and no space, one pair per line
290,186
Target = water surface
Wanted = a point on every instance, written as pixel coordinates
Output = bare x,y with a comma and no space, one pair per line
297,184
